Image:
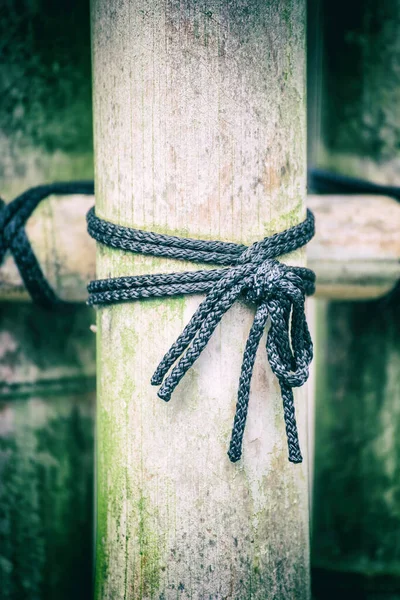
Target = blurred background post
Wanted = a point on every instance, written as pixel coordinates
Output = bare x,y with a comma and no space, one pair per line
354,94
47,358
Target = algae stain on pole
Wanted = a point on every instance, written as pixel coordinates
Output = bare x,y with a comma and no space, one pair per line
199,113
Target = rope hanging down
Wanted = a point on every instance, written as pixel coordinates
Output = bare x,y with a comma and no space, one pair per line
13,217
278,292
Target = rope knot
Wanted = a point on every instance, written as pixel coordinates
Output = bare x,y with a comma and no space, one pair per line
268,281
277,290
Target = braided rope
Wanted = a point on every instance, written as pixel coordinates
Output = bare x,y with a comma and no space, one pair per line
278,292
13,217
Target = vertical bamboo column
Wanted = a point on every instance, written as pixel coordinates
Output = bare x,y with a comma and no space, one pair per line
47,358
357,485
199,112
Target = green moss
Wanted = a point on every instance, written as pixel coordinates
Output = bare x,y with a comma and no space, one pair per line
286,220
149,551
134,538
103,447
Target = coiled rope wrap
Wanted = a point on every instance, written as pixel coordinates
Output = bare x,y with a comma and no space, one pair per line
13,217
278,292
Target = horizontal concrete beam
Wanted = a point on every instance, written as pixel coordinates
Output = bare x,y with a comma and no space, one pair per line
355,252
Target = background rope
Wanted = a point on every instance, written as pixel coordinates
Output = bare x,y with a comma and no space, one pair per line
278,292
325,182
13,217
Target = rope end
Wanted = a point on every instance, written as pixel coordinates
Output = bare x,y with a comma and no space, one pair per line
296,458
164,395
234,456
156,380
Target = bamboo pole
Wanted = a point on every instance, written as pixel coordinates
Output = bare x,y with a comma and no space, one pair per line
356,518
199,114
47,358
355,252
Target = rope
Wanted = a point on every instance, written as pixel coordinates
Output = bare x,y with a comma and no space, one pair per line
13,217
325,182
253,273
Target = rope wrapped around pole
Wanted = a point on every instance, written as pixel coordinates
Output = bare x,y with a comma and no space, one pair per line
13,217
251,273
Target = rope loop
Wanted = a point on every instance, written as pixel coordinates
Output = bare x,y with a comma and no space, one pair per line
250,273
272,279
13,238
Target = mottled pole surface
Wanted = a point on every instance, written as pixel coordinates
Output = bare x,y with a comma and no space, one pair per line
199,112
357,471
46,359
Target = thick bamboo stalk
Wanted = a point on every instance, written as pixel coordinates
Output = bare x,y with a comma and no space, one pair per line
357,486
355,253
199,131
47,358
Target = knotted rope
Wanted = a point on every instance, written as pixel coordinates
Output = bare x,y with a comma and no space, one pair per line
278,292
13,217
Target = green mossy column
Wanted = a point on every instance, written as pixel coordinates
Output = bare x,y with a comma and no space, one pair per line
199,112
47,359
357,470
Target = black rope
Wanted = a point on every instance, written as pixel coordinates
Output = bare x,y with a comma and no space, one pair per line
13,217
326,182
278,292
